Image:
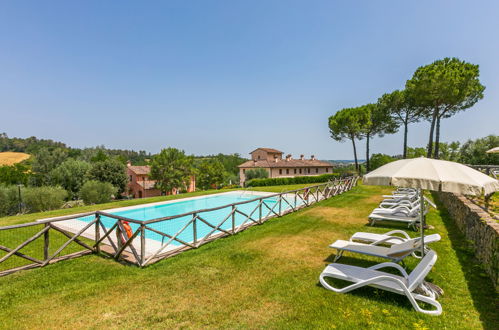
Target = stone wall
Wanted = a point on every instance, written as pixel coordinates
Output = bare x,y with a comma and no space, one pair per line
479,227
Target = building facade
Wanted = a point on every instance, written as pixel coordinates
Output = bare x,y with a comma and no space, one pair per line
141,186
272,161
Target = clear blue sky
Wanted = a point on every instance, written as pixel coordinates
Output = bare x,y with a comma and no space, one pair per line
229,76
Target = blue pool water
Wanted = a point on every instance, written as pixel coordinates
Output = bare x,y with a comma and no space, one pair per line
171,227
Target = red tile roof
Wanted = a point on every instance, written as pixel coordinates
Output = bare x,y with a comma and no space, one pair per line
268,150
144,169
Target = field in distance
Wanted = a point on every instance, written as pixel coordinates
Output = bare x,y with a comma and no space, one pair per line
11,158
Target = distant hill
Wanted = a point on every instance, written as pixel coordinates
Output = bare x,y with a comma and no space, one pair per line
11,158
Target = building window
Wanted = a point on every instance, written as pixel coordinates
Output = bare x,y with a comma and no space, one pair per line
280,171
295,170
308,170
300,170
327,169
258,156
131,178
287,171
316,170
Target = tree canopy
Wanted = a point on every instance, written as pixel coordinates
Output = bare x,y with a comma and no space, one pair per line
172,169
112,171
474,151
349,124
380,123
71,175
210,174
443,88
402,110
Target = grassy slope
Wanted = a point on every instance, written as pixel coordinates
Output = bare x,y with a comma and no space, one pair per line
266,276
11,158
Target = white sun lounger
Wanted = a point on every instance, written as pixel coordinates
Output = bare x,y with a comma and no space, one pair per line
402,210
388,238
410,220
397,252
408,203
405,284
411,197
405,190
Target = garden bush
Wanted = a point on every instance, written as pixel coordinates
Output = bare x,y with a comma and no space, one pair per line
257,173
45,198
295,180
9,200
95,192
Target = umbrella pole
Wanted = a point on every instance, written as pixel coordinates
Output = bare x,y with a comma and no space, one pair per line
421,219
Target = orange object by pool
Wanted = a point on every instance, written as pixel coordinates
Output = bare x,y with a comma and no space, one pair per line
128,229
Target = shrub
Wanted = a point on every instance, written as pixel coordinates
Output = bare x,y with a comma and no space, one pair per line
257,173
112,171
95,192
378,160
295,180
45,198
71,175
9,200
15,174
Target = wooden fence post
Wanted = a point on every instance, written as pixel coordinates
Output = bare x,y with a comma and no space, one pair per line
97,233
46,243
195,229
142,245
260,211
233,219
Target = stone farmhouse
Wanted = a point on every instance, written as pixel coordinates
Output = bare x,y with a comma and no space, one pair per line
277,167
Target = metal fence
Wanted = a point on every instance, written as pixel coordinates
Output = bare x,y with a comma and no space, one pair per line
39,243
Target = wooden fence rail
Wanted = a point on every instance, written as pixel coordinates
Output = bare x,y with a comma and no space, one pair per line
106,233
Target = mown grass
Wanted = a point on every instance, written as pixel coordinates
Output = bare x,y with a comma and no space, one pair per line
266,276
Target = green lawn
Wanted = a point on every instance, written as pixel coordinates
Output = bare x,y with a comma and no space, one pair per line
266,276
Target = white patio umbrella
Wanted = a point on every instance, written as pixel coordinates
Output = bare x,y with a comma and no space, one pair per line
432,174
493,150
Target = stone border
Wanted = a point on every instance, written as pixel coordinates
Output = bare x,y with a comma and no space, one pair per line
479,227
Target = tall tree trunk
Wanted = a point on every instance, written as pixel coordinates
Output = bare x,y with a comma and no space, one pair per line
437,140
432,128
355,153
368,167
406,124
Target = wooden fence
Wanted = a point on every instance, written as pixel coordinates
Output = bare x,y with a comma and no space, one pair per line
151,240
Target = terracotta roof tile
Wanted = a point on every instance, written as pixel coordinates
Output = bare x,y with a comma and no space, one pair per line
144,169
268,150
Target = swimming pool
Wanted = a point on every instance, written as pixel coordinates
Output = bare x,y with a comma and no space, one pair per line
200,229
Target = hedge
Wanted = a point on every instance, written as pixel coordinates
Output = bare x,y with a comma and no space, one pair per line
295,180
